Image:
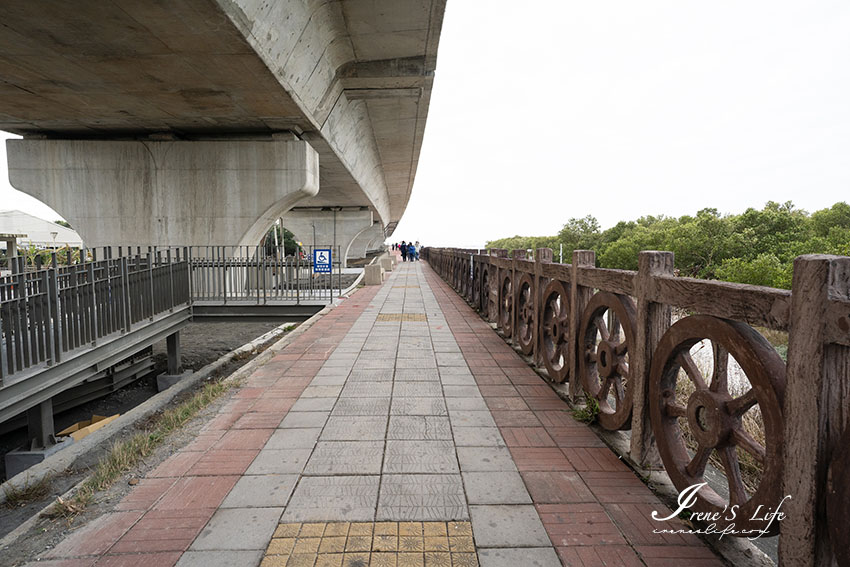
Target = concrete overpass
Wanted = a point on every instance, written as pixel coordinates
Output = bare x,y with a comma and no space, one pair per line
198,122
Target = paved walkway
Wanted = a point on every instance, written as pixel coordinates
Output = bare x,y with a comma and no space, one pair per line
399,430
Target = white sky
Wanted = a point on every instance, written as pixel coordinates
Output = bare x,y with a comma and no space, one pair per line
546,110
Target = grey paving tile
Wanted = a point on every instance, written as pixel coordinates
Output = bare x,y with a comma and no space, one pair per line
467,404
333,371
337,380
471,418
345,458
321,391
420,457
377,362
333,498
219,558
454,371
495,488
422,497
367,389
362,406
238,528
416,363
461,391
417,375
302,438
417,390
418,406
371,376
457,379
482,459
450,359
301,419
410,427
508,526
354,428
478,437
276,461
525,556
313,404
263,491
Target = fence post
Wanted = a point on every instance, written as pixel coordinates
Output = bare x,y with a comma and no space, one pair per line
541,256
93,309
150,281
56,320
815,412
579,296
125,294
653,320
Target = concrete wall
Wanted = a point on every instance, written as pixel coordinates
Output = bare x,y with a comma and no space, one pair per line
333,229
166,193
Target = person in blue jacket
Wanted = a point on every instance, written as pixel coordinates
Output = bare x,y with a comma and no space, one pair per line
411,251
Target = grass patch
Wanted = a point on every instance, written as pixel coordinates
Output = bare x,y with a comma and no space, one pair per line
589,412
124,455
18,496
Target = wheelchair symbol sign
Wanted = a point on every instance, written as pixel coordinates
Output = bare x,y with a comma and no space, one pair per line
322,263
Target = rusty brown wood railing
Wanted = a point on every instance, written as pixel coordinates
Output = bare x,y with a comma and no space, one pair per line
611,336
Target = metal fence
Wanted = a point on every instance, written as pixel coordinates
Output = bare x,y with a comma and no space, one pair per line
611,335
260,275
47,312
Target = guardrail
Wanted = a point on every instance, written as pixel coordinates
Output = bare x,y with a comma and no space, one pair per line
47,312
611,335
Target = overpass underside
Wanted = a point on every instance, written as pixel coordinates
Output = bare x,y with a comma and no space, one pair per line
201,122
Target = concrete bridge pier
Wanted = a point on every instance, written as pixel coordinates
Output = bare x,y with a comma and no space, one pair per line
363,242
332,227
165,193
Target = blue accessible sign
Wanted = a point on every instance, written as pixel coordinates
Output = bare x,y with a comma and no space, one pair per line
322,263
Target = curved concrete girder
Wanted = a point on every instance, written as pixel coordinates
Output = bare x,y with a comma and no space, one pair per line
166,193
360,244
334,229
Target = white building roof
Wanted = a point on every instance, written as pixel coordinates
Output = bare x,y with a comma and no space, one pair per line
38,231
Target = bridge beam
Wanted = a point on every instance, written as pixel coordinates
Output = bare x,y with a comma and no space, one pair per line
166,192
331,227
362,244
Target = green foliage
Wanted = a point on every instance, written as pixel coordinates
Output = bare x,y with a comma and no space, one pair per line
589,412
62,223
755,247
290,246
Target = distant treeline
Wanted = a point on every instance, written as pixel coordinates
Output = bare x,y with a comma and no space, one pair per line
755,247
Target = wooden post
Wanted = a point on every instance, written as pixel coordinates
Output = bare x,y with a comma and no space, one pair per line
652,321
815,412
579,297
541,256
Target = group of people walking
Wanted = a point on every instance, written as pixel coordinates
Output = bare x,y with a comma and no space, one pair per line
409,250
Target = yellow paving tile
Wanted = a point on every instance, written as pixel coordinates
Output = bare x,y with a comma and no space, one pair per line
410,528
464,560
281,546
329,560
385,543
307,545
384,560
386,528
355,560
436,543
461,544
336,529
411,560
312,530
287,530
360,529
460,528
358,543
332,545
301,560
274,561
411,543
438,559
434,529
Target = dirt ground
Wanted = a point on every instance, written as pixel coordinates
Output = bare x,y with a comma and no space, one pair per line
202,343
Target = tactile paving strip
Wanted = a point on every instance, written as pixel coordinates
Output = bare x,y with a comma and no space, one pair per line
401,317
381,544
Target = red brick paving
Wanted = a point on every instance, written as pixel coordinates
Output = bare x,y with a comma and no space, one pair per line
594,508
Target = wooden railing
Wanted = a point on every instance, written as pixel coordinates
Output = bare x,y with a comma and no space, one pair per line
48,312
630,340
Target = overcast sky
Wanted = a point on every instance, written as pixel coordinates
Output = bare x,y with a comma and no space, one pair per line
551,109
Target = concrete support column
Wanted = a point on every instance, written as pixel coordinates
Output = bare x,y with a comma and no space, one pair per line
175,365
328,227
40,424
166,192
362,243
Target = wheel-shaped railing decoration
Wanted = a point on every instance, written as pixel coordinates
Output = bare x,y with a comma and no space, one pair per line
606,337
506,305
525,332
838,501
485,292
555,330
465,282
694,418
476,285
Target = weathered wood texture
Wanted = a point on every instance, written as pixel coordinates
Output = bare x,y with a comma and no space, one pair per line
816,412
